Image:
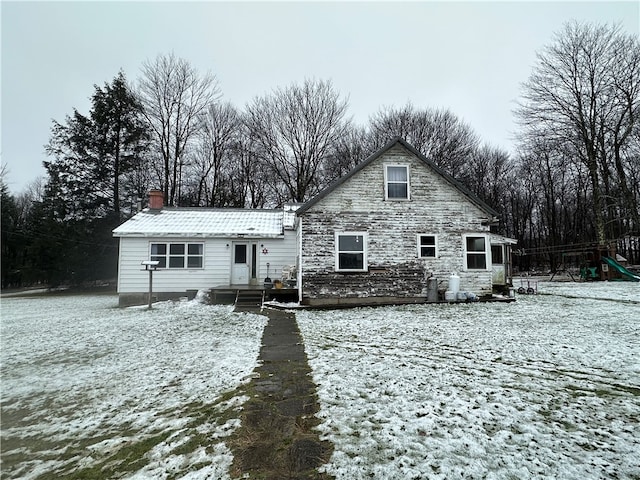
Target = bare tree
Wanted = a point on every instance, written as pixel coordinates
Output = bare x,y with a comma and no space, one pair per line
487,173
293,131
584,93
438,134
622,127
218,140
350,149
174,96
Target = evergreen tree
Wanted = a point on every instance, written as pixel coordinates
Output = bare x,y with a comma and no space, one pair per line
93,176
96,156
10,238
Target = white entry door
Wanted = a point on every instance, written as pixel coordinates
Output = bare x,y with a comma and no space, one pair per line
240,264
498,267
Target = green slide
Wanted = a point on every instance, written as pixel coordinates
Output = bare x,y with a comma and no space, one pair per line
623,271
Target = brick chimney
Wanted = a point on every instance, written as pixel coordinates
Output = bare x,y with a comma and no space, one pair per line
156,199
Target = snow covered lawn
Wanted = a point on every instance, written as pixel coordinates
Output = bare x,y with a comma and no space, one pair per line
141,393
546,387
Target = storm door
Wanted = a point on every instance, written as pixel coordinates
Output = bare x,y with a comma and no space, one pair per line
240,264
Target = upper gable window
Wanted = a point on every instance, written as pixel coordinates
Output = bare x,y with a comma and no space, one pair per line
396,180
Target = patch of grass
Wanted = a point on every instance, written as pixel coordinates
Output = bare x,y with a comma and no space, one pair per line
123,460
132,455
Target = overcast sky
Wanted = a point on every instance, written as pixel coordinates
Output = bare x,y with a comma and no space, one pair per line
470,57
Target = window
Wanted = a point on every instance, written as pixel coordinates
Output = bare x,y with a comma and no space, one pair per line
195,254
496,255
351,252
159,254
240,253
178,255
475,252
396,179
427,246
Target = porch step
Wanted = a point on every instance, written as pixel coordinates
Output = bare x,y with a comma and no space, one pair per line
249,299
226,296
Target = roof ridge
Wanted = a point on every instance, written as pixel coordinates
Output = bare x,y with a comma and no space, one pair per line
377,154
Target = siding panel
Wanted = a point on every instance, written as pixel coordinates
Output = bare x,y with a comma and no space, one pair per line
132,278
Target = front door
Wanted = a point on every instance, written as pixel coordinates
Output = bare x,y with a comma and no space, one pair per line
240,264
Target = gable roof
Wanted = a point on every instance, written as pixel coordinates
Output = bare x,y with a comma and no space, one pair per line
203,222
395,141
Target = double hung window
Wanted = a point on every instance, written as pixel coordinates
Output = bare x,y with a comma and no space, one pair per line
351,252
396,179
178,255
427,246
476,252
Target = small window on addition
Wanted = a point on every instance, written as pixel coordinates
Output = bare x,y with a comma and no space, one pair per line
177,255
396,179
427,246
159,254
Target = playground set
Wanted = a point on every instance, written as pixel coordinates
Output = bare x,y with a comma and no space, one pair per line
595,262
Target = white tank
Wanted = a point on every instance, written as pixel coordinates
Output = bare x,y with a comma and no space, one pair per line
454,283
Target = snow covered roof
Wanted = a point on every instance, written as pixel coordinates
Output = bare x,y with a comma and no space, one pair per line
203,222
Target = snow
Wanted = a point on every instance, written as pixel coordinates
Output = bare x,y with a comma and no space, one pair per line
82,380
546,387
203,222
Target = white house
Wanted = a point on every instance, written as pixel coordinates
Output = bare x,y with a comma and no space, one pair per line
201,248
374,236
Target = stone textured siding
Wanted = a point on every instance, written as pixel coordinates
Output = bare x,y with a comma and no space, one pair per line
394,269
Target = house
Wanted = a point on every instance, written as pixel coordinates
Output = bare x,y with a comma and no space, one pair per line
380,234
377,234
200,248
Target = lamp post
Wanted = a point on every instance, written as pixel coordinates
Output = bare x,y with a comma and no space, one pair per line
150,266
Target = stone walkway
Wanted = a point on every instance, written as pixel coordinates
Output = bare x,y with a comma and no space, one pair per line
276,440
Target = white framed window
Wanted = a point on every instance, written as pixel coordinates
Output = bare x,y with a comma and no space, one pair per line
159,254
396,182
195,255
427,246
351,251
177,255
476,252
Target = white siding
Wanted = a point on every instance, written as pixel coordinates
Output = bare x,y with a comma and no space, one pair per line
216,263
281,252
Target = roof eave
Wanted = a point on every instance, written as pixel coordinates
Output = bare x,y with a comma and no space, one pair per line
196,235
